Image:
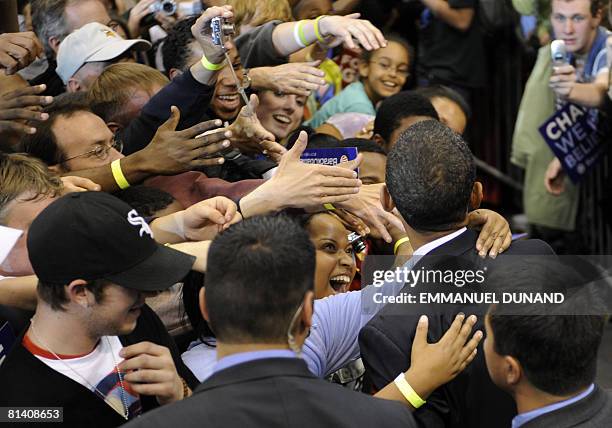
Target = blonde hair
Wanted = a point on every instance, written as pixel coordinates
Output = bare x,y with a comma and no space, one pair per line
110,92
256,13
21,174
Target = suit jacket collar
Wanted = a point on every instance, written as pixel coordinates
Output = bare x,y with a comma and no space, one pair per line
256,370
461,245
575,414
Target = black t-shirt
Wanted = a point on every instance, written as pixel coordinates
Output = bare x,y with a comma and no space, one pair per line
49,77
448,55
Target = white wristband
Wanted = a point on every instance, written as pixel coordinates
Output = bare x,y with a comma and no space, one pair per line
296,35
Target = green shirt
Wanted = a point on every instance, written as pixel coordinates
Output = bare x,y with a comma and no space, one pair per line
353,99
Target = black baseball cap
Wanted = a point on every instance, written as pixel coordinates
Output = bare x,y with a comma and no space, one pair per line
93,235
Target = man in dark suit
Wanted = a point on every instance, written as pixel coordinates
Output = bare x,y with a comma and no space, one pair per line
260,309
431,180
545,356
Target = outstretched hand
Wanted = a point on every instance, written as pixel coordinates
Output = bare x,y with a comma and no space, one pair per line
250,137
21,105
348,29
367,206
173,152
300,185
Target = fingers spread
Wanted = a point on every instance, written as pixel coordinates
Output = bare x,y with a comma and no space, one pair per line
200,128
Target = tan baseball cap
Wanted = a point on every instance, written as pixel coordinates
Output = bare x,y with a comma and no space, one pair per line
90,43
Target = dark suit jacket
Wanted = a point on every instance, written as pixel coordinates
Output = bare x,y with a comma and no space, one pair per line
470,400
593,411
275,392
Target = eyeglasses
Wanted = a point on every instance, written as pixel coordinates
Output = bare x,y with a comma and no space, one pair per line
388,67
576,19
101,151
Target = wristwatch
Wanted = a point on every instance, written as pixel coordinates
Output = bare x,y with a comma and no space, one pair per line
246,79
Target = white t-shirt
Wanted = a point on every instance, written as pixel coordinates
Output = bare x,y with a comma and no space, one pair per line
96,368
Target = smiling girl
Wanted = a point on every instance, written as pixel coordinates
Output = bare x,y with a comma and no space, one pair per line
383,73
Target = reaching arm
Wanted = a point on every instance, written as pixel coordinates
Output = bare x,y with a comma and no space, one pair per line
191,92
433,365
563,83
199,222
170,152
335,30
19,292
300,185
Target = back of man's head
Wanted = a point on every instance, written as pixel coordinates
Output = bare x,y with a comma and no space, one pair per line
43,144
556,345
176,48
430,176
441,91
258,273
362,145
397,110
112,94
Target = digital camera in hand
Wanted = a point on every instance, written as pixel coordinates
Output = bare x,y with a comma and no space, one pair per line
167,7
221,28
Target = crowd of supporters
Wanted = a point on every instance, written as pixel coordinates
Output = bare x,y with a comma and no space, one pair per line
269,214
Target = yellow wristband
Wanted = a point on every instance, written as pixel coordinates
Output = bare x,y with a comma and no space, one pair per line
317,29
400,242
409,394
209,65
118,174
301,33
329,207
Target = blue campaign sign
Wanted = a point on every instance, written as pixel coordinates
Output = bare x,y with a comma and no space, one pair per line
575,135
7,338
331,157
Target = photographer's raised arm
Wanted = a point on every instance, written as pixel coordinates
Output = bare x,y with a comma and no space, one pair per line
191,92
563,83
205,71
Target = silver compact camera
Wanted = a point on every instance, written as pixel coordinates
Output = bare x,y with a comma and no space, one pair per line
221,29
167,7
357,241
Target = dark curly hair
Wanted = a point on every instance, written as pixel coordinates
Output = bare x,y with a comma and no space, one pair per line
175,48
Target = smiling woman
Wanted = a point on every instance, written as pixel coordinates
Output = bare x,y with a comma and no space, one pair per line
335,259
280,113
